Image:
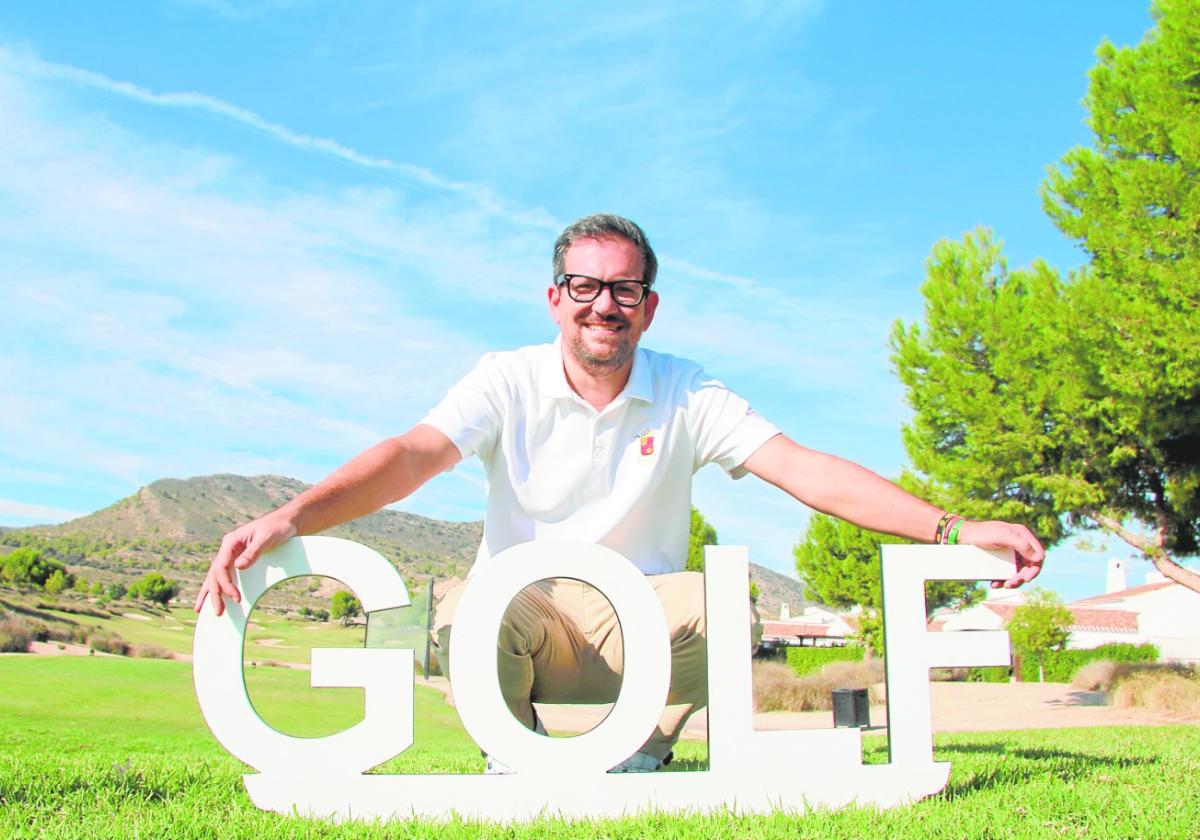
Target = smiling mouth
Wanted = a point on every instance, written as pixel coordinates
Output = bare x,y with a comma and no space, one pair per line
605,326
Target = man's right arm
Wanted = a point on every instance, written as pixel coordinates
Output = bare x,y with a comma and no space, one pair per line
383,474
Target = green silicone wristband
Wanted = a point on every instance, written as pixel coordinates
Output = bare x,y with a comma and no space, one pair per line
952,535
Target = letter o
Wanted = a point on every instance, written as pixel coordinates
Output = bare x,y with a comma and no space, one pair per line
474,674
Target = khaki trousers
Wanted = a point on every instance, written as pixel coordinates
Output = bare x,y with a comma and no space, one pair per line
560,642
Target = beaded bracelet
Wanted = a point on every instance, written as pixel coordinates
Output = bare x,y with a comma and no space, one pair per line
940,532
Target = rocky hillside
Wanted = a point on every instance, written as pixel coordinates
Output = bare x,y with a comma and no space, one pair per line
178,524
175,525
775,589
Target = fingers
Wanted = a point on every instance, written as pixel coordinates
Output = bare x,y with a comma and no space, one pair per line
1028,550
254,547
218,583
201,595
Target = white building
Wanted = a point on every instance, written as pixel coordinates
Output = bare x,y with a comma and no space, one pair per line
1160,612
815,627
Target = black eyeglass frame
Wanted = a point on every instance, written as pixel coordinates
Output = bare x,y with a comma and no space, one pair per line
565,279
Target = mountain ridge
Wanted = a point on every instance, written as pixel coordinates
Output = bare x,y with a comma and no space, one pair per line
176,524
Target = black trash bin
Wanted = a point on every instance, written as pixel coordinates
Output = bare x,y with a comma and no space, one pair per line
850,707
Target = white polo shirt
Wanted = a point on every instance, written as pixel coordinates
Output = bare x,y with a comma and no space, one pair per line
621,477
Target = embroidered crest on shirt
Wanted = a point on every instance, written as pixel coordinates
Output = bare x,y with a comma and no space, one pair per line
647,443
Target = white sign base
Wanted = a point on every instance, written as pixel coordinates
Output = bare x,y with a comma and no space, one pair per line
750,772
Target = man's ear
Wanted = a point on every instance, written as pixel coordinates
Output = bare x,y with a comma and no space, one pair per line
553,297
651,305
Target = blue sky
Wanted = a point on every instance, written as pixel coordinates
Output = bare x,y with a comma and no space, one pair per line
259,237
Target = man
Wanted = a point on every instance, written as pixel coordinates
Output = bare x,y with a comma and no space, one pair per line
592,438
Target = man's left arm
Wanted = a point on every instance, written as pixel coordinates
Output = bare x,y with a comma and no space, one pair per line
848,491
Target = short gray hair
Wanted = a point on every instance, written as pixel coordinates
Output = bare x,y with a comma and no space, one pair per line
604,226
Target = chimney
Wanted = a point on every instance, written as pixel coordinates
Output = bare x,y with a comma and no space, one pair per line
785,612
1116,576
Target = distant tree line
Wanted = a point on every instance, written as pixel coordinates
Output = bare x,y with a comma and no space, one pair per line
29,568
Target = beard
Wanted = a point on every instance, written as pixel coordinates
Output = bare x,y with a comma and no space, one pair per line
613,357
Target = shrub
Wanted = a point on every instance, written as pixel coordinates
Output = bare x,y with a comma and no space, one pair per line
949,674
777,688
991,674
108,643
155,588
805,660
16,634
27,567
1172,691
149,651
72,634
1061,665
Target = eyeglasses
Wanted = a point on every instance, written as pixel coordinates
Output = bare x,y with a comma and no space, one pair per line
584,289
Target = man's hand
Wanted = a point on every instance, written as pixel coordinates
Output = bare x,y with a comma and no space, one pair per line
239,549
1020,539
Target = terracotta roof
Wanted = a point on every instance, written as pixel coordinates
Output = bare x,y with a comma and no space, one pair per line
1111,597
784,628
1108,621
1086,620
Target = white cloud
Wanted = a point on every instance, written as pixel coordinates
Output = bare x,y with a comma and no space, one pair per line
11,509
179,312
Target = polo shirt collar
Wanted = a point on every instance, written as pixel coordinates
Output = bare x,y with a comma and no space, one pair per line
552,379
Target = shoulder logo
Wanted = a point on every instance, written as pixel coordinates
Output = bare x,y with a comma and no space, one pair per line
646,442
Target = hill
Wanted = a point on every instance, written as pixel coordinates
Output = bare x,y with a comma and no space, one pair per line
175,526
775,589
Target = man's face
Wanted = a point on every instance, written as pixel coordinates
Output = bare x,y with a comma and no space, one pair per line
602,335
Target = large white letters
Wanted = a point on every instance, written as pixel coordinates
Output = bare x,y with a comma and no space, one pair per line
749,771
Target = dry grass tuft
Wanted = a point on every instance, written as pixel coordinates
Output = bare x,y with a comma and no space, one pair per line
1168,691
15,634
104,642
149,651
778,689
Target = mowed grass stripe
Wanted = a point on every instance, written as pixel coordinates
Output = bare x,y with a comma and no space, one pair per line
94,747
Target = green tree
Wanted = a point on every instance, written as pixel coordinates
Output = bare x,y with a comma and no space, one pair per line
1133,203
56,583
1067,404
117,590
154,587
344,606
700,534
839,564
1040,625
28,566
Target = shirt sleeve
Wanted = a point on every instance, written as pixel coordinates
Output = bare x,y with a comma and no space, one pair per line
725,429
470,413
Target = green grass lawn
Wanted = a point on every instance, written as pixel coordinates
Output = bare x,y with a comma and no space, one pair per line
111,747
291,641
